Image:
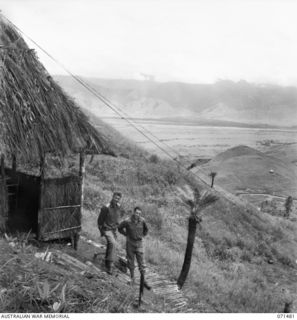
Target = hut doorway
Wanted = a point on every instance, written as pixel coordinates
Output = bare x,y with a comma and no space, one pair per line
23,201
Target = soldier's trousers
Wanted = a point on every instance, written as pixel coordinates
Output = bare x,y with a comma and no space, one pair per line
111,245
135,249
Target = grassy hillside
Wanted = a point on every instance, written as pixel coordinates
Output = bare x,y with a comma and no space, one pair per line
24,280
285,152
244,169
239,253
243,259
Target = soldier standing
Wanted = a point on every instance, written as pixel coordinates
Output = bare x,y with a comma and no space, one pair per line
135,229
108,222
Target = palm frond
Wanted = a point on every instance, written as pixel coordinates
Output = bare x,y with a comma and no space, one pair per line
207,198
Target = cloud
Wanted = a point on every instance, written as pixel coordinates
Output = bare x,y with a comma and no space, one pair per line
182,40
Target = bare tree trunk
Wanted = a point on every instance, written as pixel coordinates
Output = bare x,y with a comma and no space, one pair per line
188,255
212,181
141,287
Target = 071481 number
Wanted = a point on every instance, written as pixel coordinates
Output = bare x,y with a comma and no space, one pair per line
285,316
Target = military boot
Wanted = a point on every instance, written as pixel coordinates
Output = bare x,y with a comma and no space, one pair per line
132,281
145,284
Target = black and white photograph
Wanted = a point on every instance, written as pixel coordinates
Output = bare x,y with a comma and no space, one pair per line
148,158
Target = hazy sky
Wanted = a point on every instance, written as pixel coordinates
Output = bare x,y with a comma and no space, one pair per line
174,40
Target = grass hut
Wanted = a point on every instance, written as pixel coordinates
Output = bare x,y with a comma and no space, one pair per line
39,121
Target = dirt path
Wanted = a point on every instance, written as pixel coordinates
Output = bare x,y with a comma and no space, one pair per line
262,194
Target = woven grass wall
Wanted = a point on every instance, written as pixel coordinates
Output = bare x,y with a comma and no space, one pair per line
60,193
57,223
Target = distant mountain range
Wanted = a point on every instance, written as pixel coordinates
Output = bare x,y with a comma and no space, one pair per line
222,102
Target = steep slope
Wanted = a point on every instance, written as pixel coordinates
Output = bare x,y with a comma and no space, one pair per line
57,279
242,258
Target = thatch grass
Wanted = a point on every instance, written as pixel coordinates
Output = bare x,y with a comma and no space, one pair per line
36,116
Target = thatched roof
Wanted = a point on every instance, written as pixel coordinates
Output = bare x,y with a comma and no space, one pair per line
36,116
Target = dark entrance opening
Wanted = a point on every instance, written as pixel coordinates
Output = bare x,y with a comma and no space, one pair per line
23,201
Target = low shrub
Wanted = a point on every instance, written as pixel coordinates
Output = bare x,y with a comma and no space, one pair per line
240,244
222,253
153,216
154,158
285,260
171,176
246,256
262,249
